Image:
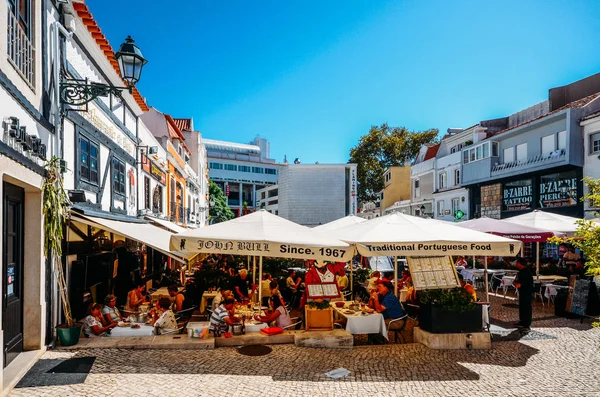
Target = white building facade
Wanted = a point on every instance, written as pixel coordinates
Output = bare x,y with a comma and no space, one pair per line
591,153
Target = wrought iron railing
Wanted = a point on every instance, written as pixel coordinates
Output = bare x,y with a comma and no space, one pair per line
187,214
21,51
173,210
180,214
531,161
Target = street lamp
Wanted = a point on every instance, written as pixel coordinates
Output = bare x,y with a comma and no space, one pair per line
79,92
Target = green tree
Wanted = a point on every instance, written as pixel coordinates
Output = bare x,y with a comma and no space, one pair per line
219,212
385,147
587,236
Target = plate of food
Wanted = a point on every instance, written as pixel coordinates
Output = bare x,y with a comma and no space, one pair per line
349,312
135,326
123,324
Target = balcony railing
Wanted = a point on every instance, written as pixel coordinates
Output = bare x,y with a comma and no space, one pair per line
188,212
173,209
21,52
540,159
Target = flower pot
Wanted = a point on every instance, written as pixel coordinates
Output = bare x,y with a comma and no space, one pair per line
68,336
437,320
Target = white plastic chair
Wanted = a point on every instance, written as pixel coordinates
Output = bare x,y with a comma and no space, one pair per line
507,282
397,331
295,322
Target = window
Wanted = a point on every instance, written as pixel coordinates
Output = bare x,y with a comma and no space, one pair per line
417,189
271,171
455,205
522,152
230,167
88,160
442,180
146,192
215,166
20,49
480,152
388,176
562,140
258,170
595,143
157,200
509,155
244,168
548,144
440,207
457,177
118,176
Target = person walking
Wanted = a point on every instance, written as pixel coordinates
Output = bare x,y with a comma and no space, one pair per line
524,283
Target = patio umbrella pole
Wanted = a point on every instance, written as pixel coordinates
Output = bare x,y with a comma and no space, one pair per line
537,261
396,276
485,279
254,269
260,283
351,280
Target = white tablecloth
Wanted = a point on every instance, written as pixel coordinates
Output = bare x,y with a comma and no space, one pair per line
144,330
470,274
255,327
363,324
162,292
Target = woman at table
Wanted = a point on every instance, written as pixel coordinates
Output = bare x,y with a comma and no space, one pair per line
163,318
278,313
110,312
372,286
92,326
136,297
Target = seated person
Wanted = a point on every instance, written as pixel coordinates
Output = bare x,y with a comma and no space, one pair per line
223,317
385,302
461,261
221,296
163,318
92,326
136,297
406,280
110,312
181,301
342,280
470,289
278,313
372,286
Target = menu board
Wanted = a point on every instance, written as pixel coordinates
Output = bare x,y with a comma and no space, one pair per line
432,272
580,296
325,290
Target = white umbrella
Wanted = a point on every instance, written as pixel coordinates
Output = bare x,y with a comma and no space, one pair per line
263,234
405,235
340,223
547,221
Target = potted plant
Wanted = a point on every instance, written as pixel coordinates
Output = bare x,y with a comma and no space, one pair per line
448,311
55,203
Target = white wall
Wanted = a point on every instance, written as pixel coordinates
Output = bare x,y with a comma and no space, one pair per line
591,166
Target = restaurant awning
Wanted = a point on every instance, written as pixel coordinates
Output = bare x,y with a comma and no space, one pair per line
144,232
340,223
504,228
169,225
547,220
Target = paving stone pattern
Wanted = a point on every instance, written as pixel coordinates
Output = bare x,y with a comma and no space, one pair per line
560,357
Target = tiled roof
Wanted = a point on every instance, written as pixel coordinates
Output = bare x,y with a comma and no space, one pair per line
175,132
591,116
88,20
183,124
431,152
573,105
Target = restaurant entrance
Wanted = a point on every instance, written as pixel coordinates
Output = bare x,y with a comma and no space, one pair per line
12,270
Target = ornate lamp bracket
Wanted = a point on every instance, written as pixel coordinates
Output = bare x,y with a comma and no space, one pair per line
78,92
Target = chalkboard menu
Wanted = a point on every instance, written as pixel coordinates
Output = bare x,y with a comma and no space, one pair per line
432,272
579,300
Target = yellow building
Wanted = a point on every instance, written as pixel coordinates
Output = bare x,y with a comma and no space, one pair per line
396,186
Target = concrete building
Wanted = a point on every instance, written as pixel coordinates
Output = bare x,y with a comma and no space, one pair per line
422,175
27,137
240,170
312,194
591,153
369,210
536,161
397,187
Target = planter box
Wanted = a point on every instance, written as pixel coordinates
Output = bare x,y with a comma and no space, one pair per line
435,320
318,319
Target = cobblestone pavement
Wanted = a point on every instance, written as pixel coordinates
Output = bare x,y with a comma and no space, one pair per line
560,357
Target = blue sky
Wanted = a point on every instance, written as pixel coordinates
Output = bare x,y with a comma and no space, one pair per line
313,76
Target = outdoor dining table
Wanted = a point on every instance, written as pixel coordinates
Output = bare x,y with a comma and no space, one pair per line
359,323
143,330
205,298
162,292
547,279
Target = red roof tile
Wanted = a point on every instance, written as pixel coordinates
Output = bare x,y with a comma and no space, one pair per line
431,152
575,104
88,20
183,124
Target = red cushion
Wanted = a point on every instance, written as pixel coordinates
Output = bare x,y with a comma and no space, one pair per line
272,330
